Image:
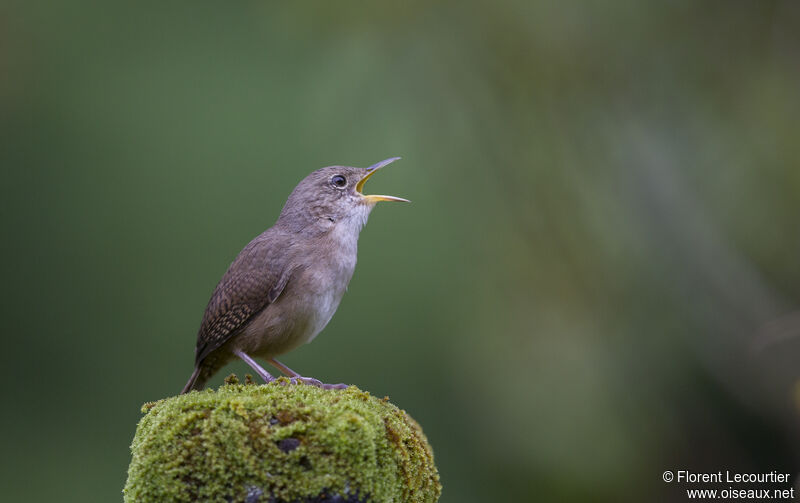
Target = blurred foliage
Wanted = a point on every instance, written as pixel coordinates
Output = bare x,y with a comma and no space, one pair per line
598,279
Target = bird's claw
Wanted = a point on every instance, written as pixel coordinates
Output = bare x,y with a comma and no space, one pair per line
306,380
316,382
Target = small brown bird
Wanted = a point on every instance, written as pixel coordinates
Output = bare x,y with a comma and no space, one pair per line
285,285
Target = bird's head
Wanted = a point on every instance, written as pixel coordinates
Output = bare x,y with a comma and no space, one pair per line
333,195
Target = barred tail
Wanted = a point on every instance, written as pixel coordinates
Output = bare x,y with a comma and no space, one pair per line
205,370
196,381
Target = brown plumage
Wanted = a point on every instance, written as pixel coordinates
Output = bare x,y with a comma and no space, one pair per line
285,285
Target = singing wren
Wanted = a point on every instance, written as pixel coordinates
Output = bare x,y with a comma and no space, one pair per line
285,285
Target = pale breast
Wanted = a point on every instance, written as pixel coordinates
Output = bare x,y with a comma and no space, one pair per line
326,286
302,310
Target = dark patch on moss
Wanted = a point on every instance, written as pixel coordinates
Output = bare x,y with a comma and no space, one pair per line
288,444
306,463
256,495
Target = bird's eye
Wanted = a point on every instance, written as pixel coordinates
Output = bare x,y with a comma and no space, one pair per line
339,181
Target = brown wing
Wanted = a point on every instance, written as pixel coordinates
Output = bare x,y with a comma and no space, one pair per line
253,281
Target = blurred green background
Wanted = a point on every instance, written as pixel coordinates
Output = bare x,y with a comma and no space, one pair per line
597,281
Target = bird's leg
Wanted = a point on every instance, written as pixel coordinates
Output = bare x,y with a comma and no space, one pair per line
263,374
295,377
283,368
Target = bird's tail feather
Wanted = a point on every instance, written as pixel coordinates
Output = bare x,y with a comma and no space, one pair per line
196,381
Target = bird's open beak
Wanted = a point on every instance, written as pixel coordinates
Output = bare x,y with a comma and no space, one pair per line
371,171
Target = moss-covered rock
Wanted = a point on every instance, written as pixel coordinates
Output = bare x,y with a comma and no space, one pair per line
279,443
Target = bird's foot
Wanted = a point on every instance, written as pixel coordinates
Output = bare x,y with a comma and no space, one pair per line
315,382
296,378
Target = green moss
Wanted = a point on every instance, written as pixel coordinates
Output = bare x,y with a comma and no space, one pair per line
281,441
